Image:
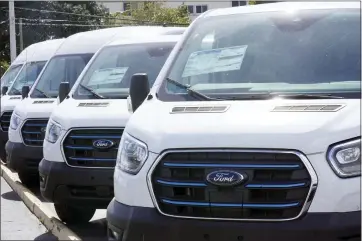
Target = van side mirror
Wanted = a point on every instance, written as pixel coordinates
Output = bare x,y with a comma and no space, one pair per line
64,89
4,89
138,90
25,91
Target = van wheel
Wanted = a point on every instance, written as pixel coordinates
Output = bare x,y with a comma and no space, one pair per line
28,179
74,215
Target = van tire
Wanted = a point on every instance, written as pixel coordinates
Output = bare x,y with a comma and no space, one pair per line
74,215
27,179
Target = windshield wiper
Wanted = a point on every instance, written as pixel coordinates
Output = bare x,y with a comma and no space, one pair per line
192,92
43,93
95,94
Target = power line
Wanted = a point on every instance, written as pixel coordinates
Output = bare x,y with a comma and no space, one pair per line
98,16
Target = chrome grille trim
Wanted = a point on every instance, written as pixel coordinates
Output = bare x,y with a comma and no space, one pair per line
303,158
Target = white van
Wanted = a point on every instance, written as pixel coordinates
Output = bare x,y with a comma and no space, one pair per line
256,138
32,60
13,70
83,132
28,123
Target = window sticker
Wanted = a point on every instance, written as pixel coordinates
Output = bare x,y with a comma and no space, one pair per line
215,60
108,76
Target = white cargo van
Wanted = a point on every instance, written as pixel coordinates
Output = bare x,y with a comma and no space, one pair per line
32,60
13,70
83,132
28,123
257,138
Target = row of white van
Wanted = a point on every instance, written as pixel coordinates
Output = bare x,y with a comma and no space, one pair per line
249,119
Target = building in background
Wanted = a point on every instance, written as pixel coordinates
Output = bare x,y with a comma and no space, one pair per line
195,7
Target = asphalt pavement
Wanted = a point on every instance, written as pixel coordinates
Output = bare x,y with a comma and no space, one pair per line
95,230
17,222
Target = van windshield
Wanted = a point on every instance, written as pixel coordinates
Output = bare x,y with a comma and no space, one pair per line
61,68
10,75
27,76
306,52
110,73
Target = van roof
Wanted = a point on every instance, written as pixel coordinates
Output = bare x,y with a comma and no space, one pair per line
281,6
91,41
41,51
144,39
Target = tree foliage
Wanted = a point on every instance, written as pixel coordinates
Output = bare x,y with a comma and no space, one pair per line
156,12
43,20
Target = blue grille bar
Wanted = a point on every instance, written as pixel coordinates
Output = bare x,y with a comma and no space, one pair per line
83,147
32,124
200,184
240,205
92,159
93,137
254,166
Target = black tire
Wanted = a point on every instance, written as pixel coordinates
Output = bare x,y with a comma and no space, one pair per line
28,179
74,215
2,154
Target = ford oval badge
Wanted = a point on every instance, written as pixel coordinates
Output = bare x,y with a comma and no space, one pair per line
103,144
225,178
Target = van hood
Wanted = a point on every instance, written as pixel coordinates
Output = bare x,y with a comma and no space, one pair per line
8,102
35,108
246,124
91,113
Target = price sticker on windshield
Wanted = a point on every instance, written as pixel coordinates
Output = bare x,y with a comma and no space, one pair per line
108,76
215,60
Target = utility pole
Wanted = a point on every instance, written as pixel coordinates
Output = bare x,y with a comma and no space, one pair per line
12,30
21,34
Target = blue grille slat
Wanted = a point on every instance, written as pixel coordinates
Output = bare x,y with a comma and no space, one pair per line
41,125
240,205
91,159
94,137
202,165
200,184
32,132
79,150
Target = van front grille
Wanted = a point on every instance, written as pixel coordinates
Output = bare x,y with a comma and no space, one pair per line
80,150
5,120
33,131
276,188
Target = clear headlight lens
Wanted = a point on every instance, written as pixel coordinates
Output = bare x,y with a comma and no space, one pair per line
345,158
15,121
53,131
132,154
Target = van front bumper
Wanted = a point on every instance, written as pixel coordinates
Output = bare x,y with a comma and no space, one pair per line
22,158
60,183
146,224
3,139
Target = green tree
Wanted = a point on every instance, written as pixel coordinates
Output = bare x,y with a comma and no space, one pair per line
157,13
43,20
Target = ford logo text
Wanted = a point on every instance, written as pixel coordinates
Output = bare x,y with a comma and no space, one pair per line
103,144
225,178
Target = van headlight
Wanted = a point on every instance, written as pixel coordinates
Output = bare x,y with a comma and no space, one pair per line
53,131
132,154
345,158
15,121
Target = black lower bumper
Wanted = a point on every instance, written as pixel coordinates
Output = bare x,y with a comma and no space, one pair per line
22,158
3,139
146,224
60,183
